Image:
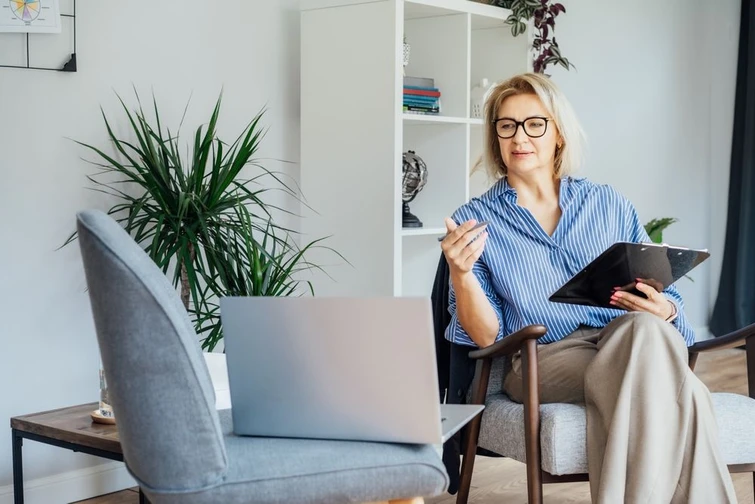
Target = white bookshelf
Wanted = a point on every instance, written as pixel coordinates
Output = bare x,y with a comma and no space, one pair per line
354,131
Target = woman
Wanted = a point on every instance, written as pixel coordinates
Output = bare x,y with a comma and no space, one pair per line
652,436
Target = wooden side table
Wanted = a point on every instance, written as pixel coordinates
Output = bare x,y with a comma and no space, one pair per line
70,428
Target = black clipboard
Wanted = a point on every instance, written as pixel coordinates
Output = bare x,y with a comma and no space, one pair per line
620,265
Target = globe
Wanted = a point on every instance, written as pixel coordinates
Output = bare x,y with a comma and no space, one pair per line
414,178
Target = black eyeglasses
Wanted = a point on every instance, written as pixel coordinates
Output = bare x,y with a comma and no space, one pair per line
534,127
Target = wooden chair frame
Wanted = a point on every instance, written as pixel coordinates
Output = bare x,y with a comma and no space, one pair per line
526,341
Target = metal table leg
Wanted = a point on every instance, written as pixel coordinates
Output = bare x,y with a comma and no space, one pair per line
18,468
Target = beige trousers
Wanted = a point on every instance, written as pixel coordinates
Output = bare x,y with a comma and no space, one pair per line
651,433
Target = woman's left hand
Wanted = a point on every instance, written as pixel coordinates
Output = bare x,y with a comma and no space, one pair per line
656,303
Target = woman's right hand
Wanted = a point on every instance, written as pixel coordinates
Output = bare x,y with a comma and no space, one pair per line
459,248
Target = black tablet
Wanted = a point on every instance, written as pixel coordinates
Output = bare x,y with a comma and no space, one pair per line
621,265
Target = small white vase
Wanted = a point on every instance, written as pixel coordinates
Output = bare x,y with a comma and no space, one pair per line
407,53
477,107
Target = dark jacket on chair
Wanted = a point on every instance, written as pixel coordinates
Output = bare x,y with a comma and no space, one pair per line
455,369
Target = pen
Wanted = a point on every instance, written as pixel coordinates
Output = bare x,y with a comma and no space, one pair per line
478,225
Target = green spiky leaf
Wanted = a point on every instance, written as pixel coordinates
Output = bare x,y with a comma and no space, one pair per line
205,225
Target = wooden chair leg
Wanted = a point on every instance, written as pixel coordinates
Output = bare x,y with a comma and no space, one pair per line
467,462
532,423
479,388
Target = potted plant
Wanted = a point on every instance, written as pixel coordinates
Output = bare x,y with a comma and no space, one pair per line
543,14
655,228
248,267
204,225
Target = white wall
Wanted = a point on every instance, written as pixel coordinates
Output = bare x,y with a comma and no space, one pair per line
178,47
723,35
654,88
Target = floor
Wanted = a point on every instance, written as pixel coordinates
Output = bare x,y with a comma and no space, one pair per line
498,480
130,496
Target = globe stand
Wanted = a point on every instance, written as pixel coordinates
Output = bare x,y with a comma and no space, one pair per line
408,219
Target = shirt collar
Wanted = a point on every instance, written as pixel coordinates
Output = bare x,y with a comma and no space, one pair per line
502,188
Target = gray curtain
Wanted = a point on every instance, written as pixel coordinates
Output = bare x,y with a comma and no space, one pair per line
735,304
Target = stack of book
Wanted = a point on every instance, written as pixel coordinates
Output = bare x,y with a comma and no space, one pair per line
421,96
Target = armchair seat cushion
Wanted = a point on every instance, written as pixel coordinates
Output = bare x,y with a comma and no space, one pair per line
735,415
280,470
563,431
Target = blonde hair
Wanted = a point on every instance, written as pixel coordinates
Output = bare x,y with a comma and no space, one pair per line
568,157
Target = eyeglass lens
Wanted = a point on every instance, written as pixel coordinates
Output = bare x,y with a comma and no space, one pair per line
533,127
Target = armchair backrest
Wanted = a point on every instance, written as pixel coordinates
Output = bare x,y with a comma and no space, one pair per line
159,385
441,318
453,358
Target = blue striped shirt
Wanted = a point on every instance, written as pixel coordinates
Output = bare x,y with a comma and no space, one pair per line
521,265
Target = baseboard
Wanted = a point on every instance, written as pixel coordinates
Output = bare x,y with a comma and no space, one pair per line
72,486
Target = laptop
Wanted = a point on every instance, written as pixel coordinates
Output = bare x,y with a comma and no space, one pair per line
360,369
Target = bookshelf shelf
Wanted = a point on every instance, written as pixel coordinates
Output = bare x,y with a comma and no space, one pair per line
427,118
482,15
423,232
351,168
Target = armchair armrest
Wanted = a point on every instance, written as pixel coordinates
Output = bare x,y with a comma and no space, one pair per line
526,340
731,340
509,344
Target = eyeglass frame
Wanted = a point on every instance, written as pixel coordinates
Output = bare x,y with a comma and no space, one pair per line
520,123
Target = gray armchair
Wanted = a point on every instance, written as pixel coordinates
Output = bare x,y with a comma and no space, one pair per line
175,444
551,439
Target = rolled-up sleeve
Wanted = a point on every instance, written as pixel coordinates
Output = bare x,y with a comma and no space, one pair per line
455,332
